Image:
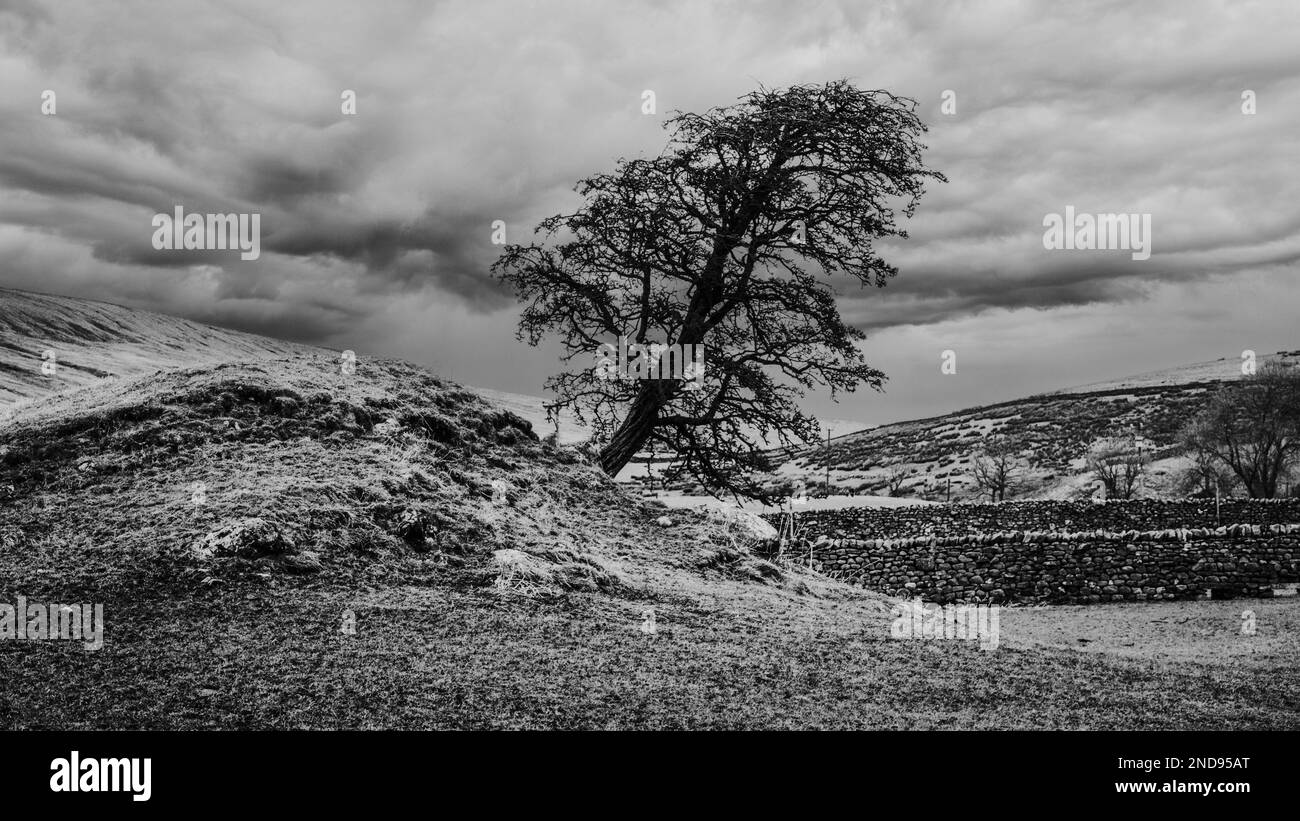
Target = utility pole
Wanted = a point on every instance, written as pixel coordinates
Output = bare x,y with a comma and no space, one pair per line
828,461
1151,453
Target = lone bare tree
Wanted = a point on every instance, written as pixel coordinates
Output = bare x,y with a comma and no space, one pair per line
1206,476
995,469
1118,462
725,240
1253,427
894,479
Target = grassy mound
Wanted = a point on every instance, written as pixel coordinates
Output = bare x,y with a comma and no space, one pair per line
219,475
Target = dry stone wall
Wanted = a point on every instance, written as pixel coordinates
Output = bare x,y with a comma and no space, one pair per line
966,518
1055,565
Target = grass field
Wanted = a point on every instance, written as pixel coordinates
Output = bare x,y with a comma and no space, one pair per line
494,581
724,656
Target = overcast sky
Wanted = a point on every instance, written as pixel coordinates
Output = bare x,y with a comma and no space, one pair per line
376,228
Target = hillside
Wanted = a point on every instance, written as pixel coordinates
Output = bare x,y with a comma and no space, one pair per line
936,454
533,409
277,544
99,340
95,340
1215,370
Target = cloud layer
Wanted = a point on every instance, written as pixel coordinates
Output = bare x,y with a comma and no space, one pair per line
377,227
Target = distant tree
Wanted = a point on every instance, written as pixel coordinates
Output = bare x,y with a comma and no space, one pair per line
1204,475
726,240
1252,426
1118,462
894,479
996,468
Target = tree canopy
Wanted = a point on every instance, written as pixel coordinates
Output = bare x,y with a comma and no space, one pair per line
726,240
1252,426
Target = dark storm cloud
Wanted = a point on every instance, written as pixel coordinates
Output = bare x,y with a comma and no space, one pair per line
932,305
451,250
302,322
31,164
284,181
1044,280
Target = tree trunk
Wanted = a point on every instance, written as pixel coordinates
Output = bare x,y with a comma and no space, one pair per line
633,432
